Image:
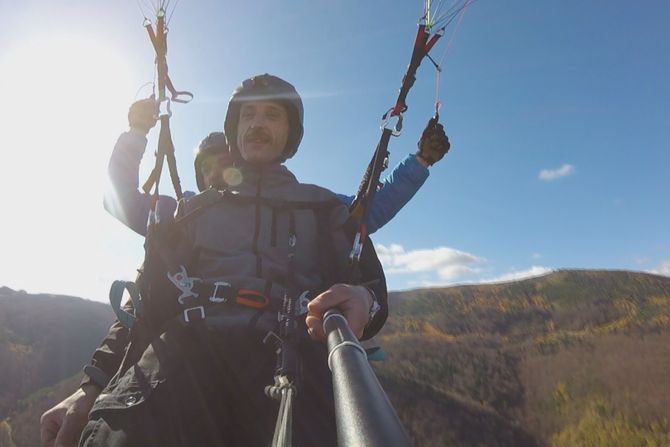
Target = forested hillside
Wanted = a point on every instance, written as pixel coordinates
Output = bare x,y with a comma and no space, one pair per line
44,339
570,358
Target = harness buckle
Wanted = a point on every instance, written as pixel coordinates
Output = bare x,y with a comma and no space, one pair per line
214,298
303,301
198,308
252,298
357,248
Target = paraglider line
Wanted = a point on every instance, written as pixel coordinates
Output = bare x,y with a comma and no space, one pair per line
464,10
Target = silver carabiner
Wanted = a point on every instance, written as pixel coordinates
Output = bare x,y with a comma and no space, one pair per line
164,108
396,130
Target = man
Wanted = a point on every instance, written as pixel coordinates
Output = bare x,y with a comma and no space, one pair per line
200,378
213,169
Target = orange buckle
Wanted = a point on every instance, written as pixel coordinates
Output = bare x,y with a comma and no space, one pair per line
251,298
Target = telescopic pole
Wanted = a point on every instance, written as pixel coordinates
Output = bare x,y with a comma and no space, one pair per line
365,416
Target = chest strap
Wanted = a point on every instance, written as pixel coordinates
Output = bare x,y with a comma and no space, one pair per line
207,294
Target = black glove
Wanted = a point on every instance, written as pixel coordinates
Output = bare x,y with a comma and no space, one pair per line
142,114
434,143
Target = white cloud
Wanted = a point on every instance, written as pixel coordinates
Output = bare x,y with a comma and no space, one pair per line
445,262
553,174
521,274
444,266
536,256
662,269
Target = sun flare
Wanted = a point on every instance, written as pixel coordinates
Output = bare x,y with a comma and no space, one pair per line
61,94
64,101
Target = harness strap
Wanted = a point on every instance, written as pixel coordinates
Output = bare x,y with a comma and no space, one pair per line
165,150
116,294
287,371
165,141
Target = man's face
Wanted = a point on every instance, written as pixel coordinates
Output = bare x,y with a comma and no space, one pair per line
211,169
262,131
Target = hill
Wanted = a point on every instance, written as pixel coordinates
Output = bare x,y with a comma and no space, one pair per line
569,358
44,339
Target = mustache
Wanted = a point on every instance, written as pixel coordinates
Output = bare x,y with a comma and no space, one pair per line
256,133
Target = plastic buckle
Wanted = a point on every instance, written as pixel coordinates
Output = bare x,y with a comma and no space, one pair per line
187,311
251,298
216,299
303,301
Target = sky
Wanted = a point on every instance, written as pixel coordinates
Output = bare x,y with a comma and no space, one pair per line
558,114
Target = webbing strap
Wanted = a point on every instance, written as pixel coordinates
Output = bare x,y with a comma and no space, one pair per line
165,152
165,146
115,296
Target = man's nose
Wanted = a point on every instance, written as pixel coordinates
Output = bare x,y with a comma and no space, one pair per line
257,121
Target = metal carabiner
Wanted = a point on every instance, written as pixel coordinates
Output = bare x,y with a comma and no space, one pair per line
386,119
164,108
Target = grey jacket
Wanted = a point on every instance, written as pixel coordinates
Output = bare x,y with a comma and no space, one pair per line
272,235
268,230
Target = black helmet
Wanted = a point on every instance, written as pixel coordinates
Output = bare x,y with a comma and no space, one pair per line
266,88
214,143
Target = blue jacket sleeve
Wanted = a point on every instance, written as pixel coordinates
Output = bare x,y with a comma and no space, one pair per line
397,189
123,198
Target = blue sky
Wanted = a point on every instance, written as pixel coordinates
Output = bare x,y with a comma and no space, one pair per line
558,114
